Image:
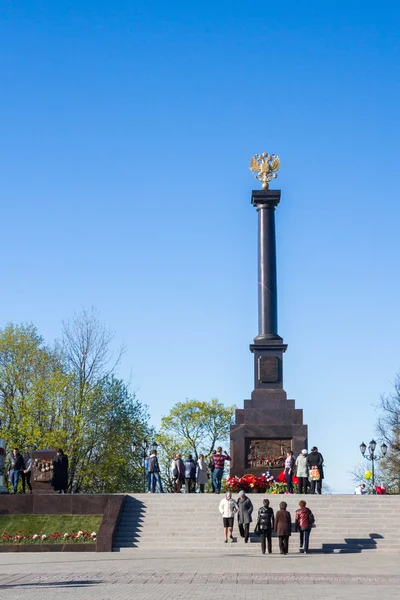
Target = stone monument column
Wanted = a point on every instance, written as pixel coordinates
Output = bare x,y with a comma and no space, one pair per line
269,424
265,202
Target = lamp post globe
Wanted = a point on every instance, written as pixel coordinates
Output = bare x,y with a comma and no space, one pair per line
384,449
372,446
363,448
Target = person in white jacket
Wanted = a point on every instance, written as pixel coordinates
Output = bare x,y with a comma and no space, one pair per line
228,508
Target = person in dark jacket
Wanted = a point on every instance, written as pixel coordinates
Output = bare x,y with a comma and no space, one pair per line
26,474
178,472
315,459
289,466
283,527
211,466
15,466
265,525
190,475
154,470
245,508
60,476
303,522
148,476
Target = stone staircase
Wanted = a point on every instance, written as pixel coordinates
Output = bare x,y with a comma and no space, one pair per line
344,523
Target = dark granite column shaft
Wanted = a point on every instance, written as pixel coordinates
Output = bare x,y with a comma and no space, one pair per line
265,202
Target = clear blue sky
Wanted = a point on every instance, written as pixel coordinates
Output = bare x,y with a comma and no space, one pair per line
126,133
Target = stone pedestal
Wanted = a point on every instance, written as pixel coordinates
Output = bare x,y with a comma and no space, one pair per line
269,424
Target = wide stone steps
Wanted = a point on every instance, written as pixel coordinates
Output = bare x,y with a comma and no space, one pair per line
192,522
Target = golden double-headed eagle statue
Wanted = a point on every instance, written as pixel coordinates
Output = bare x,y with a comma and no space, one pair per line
264,167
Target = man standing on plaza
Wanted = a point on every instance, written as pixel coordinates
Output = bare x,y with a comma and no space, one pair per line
315,460
15,466
219,462
154,472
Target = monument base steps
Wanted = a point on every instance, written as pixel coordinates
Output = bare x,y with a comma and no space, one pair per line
344,523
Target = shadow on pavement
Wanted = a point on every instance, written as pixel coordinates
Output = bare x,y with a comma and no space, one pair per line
350,545
53,584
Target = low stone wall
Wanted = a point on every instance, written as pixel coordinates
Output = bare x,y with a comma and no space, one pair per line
48,548
108,505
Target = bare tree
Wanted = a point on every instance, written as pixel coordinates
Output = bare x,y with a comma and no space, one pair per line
86,348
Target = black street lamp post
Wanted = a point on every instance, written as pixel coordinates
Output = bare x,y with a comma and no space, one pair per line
372,457
145,447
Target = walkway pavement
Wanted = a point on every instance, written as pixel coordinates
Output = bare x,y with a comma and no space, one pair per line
179,575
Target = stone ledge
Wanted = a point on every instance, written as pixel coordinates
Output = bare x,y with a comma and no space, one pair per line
48,547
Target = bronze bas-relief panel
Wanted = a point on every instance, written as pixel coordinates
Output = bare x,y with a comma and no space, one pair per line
267,453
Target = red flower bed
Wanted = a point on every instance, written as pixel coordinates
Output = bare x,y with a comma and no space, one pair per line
251,483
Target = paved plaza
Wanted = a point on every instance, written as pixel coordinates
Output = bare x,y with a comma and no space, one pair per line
160,576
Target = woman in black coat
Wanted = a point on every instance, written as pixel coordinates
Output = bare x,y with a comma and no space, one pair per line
60,476
265,525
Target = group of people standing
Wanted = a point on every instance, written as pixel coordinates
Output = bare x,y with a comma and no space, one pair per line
188,472
267,522
308,468
21,466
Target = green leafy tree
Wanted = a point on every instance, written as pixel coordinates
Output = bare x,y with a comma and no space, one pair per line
194,427
33,388
103,459
68,396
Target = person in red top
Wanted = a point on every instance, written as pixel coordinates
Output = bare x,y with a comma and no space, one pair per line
304,521
219,462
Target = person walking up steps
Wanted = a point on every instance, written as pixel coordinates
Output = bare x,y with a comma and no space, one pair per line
228,508
266,525
304,521
245,508
219,461
283,527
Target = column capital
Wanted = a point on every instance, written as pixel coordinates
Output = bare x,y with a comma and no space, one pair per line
267,198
